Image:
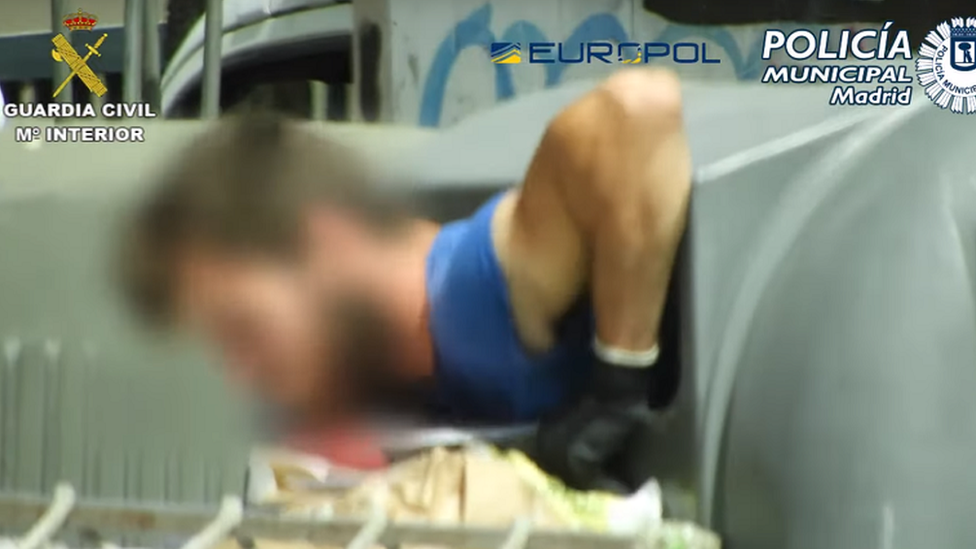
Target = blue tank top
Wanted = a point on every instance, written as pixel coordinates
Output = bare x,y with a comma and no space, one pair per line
483,373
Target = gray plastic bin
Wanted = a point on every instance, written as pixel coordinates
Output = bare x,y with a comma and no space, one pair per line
840,409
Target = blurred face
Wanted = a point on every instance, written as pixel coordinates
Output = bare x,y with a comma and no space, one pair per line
303,335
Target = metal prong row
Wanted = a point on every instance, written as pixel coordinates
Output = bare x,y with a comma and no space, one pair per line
203,530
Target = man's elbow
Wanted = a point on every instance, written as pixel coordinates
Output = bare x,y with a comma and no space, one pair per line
645,99
599,143
633,105
625,142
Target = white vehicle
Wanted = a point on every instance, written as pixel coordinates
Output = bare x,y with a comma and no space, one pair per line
288,43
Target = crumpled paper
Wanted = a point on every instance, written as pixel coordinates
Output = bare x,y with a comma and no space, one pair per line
487,488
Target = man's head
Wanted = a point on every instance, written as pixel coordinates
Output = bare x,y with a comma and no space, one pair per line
269,239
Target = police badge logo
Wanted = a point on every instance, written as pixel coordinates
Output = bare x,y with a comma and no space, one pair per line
946,65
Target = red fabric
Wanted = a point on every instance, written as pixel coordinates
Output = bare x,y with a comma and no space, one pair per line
354,448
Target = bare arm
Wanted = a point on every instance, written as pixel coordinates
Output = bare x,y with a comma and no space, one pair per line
603,206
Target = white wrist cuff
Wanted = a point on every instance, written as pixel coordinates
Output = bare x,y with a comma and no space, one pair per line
624,357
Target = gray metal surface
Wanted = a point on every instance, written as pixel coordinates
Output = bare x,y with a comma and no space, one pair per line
132,75
254,34
151,55
60,70
213,36
243,13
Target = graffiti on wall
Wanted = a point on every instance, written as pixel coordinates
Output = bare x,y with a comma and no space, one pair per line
474,31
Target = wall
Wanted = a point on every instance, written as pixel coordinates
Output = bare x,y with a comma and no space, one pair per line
434,67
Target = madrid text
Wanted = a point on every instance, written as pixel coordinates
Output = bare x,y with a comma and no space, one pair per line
845,53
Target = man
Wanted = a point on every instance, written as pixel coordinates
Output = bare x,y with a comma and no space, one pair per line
545,304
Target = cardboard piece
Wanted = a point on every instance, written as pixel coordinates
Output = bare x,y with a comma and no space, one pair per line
481,487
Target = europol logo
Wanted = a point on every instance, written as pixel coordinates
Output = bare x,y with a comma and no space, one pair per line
506,53
946,65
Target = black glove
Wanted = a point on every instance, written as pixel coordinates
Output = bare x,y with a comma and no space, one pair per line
579,444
